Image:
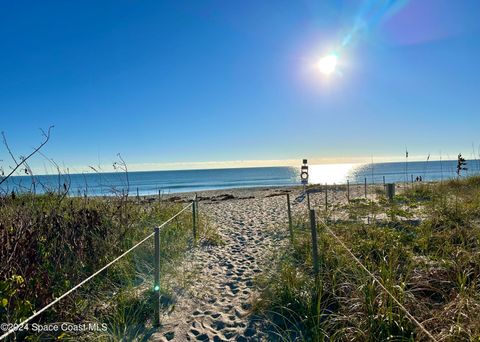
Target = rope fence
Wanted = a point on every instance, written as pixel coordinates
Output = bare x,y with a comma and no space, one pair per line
313,216
374,278
192,204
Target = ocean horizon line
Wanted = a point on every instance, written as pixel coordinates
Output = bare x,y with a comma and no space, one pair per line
174,181
314,161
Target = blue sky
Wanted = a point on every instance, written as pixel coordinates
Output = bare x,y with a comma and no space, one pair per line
188,82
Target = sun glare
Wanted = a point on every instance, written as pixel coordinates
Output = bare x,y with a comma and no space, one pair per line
331,173
328,64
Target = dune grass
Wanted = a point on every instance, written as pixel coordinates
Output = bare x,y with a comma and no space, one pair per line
424,248
50,243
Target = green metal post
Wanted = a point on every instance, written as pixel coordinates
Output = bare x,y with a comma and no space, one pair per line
194,219
156,285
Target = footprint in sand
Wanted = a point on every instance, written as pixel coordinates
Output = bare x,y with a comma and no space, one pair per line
220,304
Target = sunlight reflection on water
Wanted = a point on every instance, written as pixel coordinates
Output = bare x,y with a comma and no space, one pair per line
331,173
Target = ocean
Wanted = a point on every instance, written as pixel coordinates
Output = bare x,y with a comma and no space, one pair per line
151,182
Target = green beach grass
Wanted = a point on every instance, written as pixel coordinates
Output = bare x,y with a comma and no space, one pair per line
423,247
51,243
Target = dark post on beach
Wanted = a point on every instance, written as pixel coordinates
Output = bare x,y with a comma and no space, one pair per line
313,228
308,198
196,208
326,197
390,189
348,190
156,284
365,187
289,212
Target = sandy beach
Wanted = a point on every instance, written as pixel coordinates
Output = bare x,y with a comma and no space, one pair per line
253,225
240,171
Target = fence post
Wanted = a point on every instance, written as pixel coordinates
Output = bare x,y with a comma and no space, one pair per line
138,195
390,191
194,219
383,180
365,187
348,191
308,199
326,197
196,208
156,285
313,229
289,211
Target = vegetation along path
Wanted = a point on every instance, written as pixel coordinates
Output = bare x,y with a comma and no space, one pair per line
217,304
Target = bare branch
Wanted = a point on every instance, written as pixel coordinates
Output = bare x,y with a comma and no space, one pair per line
8,148
24,159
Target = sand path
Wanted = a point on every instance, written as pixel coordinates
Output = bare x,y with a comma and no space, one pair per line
217,307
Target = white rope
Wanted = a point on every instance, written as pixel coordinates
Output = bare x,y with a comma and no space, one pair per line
18,326
409,315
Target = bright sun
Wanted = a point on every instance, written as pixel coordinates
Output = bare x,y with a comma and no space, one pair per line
328,64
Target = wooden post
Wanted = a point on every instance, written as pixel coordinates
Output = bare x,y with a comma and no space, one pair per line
159,195
308,199
194,219
326,197
156,284
348,190
313,229
196,209
383,180
390,190
412,179
138,196
289,212
334,190
365,187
